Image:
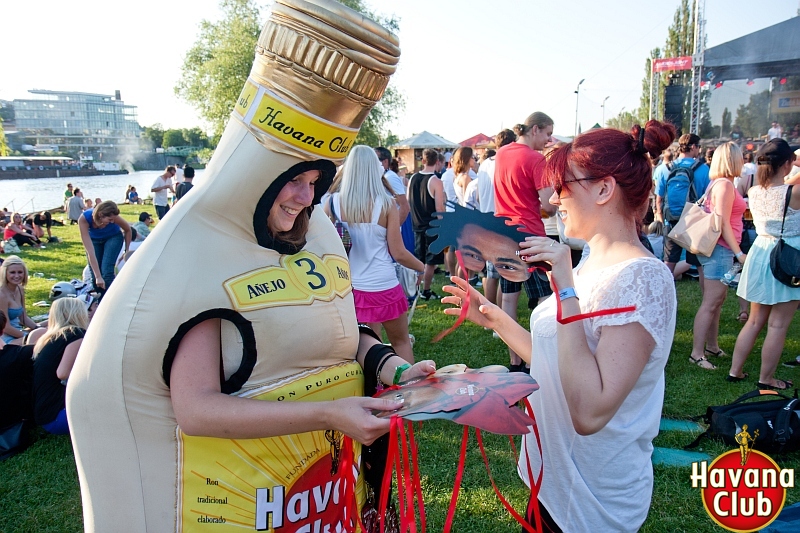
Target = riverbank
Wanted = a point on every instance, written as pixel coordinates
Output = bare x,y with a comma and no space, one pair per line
29,195
35,173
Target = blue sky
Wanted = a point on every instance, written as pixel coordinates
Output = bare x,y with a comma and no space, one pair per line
467,66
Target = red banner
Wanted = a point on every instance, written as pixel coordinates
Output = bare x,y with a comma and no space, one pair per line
672,63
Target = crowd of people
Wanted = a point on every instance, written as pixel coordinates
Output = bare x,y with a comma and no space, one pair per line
581,210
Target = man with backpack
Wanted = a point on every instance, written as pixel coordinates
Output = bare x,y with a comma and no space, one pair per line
684,180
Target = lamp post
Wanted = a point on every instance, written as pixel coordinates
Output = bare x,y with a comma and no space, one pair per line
577,97
603,105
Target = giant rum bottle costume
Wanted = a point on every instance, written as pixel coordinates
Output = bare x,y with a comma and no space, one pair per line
288,323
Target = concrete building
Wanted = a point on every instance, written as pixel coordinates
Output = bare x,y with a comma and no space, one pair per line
87,125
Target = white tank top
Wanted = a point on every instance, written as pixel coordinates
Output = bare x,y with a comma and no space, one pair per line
371,266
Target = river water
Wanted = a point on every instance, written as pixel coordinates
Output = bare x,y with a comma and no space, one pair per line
31,195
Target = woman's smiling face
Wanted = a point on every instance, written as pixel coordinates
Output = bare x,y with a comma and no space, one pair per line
15,274
295,196
478,245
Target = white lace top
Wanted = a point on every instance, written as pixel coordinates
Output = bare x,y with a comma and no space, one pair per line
767,208
602,482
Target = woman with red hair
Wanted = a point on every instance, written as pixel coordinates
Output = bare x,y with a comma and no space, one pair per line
602,376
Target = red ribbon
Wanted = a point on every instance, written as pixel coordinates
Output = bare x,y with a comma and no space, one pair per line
408,480
464,306
451,511
351,514
583,316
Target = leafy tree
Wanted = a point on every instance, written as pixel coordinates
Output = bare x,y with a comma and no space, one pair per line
195,137
216,68
3,143
679,43
173,138
644,101
384,112
726,121
754,117
624,121
390,139
204,156
704,127
154,135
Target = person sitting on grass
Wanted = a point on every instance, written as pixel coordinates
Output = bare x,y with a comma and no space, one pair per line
53,357
133,196
143,226
16,375
13,279
21,233
41,222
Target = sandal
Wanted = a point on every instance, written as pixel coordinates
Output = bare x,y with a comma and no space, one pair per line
782,384
734,379
718,353
794,363
702,363
743,317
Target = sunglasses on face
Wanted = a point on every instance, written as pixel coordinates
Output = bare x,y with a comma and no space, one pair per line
558,187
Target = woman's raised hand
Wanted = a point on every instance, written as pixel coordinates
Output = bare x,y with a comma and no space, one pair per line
534,249
481,311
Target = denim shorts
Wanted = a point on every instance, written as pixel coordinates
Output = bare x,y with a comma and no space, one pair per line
718,264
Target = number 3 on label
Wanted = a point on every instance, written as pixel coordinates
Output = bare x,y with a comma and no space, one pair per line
312,273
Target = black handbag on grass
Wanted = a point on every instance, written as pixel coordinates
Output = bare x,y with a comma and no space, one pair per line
784,260
776,421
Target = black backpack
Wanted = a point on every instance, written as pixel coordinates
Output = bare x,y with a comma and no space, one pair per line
777,422
680,178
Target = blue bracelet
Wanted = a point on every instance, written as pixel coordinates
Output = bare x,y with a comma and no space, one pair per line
569,292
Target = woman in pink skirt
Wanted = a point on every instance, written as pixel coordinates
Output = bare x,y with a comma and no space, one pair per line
371,216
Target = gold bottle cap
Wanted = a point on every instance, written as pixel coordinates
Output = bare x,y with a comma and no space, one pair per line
319,69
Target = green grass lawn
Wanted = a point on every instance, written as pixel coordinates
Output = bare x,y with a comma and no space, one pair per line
39,488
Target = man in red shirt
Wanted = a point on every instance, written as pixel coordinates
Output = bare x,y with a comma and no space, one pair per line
521,196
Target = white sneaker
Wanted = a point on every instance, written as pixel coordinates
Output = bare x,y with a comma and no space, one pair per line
495,335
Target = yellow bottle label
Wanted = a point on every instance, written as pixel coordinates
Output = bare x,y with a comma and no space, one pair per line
288,483
301,279
265,111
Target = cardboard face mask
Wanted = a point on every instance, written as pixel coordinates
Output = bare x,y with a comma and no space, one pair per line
482,237
289,331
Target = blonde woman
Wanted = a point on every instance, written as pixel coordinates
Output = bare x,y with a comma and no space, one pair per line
21,233
723,199
53,357
13,280
368,210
